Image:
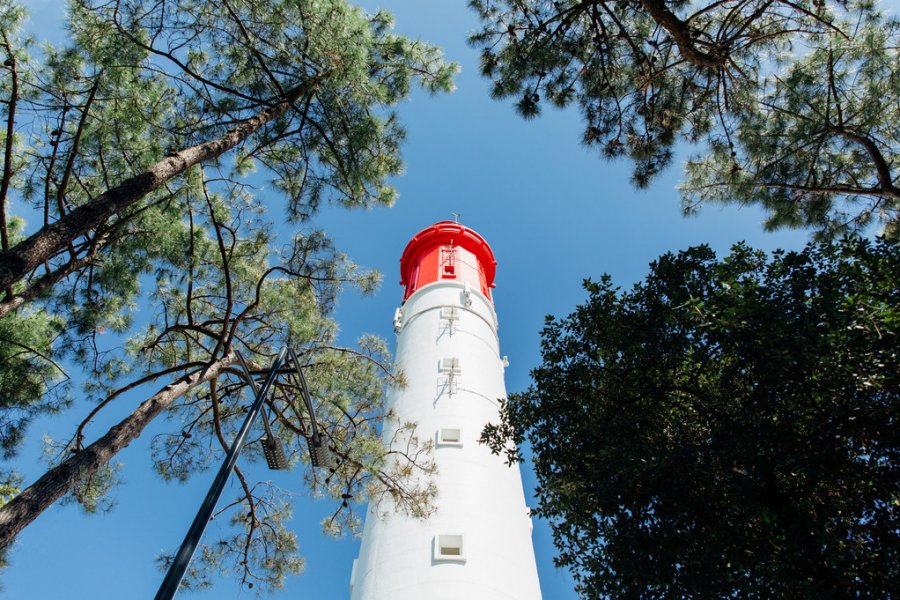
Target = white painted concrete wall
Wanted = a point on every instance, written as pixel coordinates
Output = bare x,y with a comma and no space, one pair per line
479,496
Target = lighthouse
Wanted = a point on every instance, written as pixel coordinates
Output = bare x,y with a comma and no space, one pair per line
477,544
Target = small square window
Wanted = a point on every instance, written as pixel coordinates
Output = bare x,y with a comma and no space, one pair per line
449,546
449,436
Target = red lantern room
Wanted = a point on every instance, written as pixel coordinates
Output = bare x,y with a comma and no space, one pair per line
447,251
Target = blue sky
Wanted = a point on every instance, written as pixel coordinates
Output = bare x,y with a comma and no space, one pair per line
554,214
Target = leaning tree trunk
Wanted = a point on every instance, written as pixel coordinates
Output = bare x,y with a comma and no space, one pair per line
27,255
19,512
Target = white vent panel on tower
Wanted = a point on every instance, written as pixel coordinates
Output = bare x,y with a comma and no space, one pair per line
450,365
449,436
449,546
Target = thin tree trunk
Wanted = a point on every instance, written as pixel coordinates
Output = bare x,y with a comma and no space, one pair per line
27,255
19,512
8,154
882,169
11,303
10,137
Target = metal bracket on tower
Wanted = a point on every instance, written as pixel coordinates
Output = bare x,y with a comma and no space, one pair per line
447,384
451,368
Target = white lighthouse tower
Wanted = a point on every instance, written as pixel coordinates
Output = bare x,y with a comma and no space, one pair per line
477,545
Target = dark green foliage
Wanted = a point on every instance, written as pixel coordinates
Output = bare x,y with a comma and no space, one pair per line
29,378
726,428
794,104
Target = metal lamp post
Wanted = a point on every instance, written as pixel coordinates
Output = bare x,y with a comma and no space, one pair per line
272,449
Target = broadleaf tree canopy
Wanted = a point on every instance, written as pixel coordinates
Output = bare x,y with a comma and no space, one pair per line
725,428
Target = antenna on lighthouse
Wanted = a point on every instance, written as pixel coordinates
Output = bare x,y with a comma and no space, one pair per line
456,217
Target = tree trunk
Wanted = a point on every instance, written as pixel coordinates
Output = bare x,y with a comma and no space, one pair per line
27,255
19,512
680,32
38,287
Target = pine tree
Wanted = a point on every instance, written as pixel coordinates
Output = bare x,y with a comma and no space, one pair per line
298,87
793,103
140,139
221,295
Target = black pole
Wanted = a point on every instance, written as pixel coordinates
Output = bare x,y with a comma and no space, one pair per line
180,564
